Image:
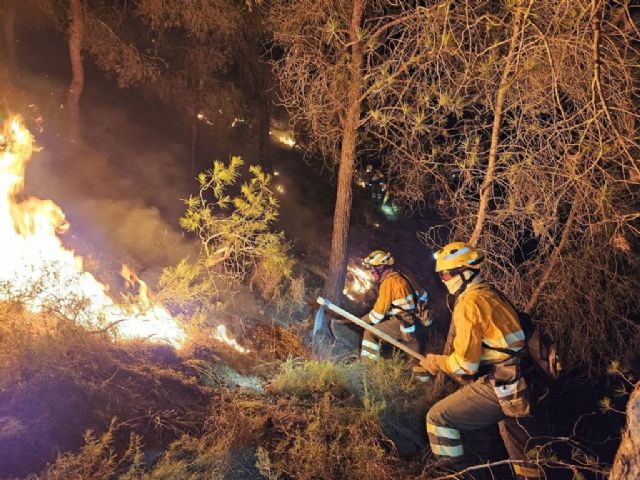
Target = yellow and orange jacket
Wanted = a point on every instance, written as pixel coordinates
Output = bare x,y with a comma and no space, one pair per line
396,299
481,315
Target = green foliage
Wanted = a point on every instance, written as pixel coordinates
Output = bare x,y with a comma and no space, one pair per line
311,378
236,232
237,238
184,288
385,386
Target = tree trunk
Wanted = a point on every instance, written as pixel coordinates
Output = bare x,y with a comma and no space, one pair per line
487,184
76,38
196,105
342,213
627,462
8,25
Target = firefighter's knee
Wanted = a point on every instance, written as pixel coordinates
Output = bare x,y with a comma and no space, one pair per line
434,415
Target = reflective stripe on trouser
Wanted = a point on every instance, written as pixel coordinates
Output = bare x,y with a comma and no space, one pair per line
473,407
371,344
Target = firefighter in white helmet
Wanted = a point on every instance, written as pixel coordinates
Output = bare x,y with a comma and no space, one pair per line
394,310
486,346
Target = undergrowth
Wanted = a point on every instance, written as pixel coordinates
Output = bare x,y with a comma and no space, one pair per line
386,385
146,414
59,380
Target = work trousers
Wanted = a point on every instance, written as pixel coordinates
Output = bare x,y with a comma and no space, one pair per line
371,345
473,407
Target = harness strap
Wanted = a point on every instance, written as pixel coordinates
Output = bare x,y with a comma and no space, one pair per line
413,292
507,351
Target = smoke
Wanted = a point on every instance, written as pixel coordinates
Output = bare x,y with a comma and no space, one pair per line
121,188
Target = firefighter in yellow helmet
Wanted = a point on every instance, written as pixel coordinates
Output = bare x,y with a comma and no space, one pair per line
394,310
487,349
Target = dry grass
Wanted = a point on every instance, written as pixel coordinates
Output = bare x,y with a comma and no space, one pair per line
98,460
59,380
327,441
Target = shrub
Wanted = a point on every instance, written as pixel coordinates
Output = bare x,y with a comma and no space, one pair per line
327,441
311,378
97,460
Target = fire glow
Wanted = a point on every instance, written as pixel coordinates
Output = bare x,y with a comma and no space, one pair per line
37,269
222,336
359,282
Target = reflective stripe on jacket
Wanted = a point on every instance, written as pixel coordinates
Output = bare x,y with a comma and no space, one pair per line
481,315
395,298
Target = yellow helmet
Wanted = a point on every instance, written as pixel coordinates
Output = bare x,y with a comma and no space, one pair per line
378,258
458,255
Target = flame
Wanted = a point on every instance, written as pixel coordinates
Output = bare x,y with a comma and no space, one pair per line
222,336
135,284
359,281
287,140
35,266
284,137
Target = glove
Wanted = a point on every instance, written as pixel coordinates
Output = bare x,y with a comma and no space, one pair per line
429,363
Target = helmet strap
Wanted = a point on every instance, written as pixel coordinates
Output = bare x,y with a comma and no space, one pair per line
466,280
380,269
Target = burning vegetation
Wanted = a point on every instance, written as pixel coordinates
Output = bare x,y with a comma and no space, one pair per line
38,270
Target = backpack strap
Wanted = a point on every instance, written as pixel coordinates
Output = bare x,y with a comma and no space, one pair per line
413,291
507,351
414,312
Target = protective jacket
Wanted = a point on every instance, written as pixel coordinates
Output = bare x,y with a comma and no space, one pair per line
481,316
395,299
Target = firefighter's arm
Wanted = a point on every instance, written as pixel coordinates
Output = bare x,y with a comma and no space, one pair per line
467,345
382,305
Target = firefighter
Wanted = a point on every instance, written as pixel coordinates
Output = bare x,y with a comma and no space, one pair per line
394,310
374,180
486,328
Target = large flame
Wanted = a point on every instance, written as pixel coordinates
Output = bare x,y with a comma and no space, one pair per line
36,268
